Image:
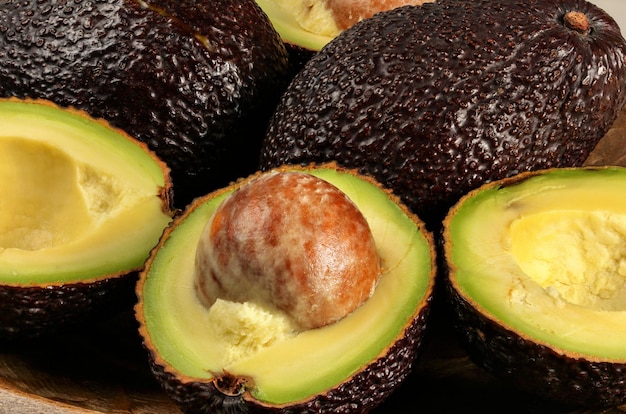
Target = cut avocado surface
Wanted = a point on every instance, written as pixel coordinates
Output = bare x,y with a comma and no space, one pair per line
540,257
290,30
81,201
177,330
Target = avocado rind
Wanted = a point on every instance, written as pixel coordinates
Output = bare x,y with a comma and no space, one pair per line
550,357
435,100
34,312
195,80
383,365
532,367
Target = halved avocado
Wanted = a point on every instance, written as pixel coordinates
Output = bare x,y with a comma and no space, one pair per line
536,276
82,206
350,365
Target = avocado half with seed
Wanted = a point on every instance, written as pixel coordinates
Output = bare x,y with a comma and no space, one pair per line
82,206
196,80
535,269
349,365
435,100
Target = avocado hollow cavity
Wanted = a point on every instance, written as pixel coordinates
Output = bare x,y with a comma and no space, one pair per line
54,198
578,257
279,362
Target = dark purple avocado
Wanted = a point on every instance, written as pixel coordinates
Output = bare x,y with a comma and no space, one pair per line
435,100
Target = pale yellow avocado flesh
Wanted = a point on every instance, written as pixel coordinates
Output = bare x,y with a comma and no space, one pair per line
547,257
291,29
310,362
80,201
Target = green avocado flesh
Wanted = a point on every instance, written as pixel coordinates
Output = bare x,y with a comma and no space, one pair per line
289,29
546,257
312,361
80,200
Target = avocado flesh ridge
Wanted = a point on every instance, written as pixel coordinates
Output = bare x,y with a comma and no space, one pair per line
313,16
289,29
178,323
551,259
84,201
245,328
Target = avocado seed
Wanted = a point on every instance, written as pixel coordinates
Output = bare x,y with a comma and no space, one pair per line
290,241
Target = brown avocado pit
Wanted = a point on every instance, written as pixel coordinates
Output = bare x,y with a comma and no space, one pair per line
84,203
289,241
249,354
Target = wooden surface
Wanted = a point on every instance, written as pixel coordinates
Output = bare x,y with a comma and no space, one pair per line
102,368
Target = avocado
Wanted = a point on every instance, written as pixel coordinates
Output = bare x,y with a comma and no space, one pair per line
292,32
83,204
306,26
534,269
195,80
434,100
226,315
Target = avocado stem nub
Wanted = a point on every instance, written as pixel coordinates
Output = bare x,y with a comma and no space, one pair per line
230,385
577,21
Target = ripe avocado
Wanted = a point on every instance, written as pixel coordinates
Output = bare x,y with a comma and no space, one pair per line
435,100
325,369
306,26
195,80
535,275
83,204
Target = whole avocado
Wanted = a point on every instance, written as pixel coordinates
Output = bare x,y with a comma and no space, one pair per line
435,100
196,80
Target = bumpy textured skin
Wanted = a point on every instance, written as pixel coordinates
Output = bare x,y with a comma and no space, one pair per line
202,109
533,367
434,100
33,312
360,394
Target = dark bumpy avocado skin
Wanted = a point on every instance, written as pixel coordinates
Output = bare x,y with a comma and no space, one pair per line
533,367
33,312
195,80
435,100
363,392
